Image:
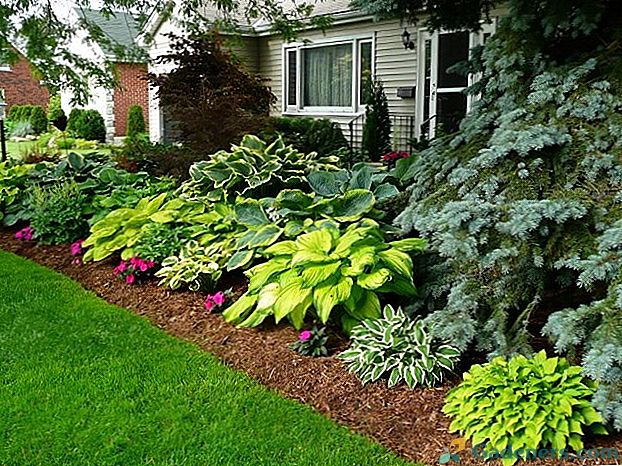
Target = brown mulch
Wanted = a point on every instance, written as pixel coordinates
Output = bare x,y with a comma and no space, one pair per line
409,422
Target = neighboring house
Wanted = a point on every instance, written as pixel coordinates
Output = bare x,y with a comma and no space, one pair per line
113,104
20,84
322,73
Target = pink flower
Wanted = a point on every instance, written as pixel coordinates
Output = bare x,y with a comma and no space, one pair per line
130,279
209,303
150,264
143,267
305,335
19,235
77,261
219,298
135,262
119,269
76,248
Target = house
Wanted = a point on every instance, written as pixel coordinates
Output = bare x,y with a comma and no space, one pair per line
321,74
119,30
20,84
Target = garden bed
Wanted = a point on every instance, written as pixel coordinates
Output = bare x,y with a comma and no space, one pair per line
408,422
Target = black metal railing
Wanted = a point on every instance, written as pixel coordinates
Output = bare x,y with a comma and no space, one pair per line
402,132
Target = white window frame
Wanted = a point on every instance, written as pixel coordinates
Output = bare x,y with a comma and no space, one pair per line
5,67
475,38
299,48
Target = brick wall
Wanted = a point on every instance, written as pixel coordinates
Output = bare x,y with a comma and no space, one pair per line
21,87
132,90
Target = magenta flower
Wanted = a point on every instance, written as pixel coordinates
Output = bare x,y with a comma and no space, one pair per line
77,261
25,234
130,279
76,248
219,298
119,269
209,304
305,335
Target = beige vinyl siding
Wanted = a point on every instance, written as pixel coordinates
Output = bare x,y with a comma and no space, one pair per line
395,66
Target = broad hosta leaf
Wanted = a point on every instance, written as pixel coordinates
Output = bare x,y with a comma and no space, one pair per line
329,294
399,262
314,274
290,296
239,259
265,236
284,247
385,191
352,205
328,183
249,212
318,241
409,244
241,307
375,279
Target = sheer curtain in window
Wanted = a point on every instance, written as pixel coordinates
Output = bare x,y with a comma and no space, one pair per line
328,76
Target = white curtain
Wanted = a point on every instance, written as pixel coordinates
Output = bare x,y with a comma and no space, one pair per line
328,76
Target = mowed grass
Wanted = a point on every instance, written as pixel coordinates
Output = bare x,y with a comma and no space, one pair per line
86,383
17,150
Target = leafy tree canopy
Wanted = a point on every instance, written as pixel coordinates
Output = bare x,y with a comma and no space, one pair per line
42,32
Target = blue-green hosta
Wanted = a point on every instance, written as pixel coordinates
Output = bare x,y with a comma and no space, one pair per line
400,348
327,271
252,169
533,403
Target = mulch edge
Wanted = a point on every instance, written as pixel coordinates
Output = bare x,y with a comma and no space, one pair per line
408,422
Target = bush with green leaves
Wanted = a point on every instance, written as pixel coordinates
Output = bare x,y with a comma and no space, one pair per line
21,129
87,124
159,241
252,169
536,402
377,127
330,272
59,213
522,206
13,179
55,109
38,119
291,213
399,348
122,229
319,135
135,121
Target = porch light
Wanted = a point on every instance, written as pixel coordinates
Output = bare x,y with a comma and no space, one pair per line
408,44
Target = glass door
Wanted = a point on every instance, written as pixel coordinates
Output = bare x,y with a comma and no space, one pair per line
442,101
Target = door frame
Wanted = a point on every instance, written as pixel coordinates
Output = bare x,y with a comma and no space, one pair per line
475,38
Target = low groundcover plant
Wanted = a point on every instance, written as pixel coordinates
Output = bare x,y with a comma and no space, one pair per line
524,403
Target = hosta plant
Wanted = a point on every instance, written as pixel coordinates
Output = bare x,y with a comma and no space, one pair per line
196,267
525,402
122,229
400,349
327,271
252,169
12,180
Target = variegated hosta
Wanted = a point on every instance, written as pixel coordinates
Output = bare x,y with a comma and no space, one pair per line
252,169
327,270
399,348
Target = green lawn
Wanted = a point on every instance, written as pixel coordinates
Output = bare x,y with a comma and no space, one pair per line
16,150
88,384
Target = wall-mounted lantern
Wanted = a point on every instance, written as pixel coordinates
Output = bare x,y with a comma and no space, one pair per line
408,44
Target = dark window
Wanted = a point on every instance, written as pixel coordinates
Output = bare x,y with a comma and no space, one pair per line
366,71
291,77
453,48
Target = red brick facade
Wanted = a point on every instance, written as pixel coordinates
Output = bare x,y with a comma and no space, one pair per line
133,90
21,87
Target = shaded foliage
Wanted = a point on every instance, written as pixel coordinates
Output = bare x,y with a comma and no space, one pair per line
211,97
